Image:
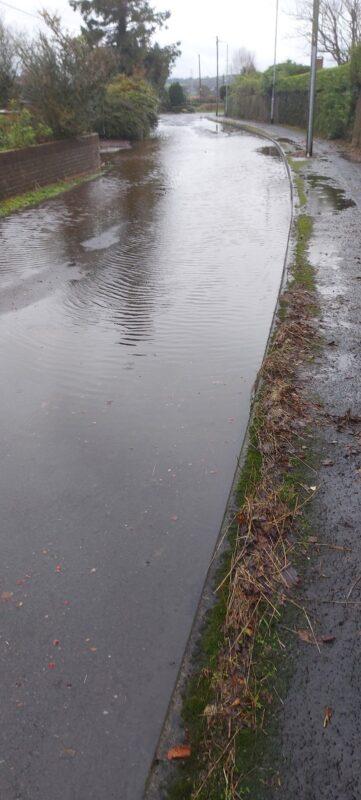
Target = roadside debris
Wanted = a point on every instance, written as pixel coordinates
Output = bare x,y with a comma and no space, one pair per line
328,712
179,752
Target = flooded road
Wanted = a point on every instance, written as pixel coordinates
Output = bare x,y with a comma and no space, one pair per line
134,313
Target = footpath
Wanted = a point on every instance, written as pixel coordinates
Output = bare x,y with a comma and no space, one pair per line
310,734
320,717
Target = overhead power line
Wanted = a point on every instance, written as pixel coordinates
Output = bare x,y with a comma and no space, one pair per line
20,10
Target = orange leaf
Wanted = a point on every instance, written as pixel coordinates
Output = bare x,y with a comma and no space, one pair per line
5,596
179,751
305,636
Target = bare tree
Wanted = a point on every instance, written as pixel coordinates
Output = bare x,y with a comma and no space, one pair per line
243,62
340,26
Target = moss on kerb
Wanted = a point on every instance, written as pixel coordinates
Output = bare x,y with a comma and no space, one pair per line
37,196
254,760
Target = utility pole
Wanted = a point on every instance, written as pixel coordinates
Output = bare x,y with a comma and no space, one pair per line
217,79
274,68
199,77
226,104
311,112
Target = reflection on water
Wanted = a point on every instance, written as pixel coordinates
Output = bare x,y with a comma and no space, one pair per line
134,315
327,196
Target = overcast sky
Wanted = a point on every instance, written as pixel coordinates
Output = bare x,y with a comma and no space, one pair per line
196,23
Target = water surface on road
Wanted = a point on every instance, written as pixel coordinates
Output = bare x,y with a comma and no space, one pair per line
134,315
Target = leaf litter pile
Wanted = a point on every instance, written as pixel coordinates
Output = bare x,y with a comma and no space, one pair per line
260,576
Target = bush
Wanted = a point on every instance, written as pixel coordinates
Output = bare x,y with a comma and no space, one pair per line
64,78
21,130
285,70
176,95
335,102
247,84
355,67
7,65
129,109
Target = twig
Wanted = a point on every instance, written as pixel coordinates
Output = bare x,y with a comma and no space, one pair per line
349,593
214,766
332,547
302,608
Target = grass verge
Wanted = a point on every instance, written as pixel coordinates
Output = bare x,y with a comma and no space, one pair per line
33,198
242,664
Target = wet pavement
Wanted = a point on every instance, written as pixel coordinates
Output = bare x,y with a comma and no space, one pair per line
134,313
311,760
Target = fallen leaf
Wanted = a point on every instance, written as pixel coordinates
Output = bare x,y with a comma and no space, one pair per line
174,518
306,636
51,665
69,751
58,568
93,649
327,462
327,716
178,752
56,642
5,596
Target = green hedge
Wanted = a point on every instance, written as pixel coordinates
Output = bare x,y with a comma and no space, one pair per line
336,94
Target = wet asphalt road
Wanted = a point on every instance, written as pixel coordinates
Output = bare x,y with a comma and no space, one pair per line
134,313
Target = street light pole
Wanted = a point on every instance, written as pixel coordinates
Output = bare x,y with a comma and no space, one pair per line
311,112
199,77
217,80
274,68
226,105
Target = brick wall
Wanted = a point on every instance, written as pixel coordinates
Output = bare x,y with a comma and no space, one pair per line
23,170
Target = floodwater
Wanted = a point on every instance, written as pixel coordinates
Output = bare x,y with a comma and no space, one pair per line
134,316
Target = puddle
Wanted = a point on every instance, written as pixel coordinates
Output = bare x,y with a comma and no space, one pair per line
269,150
327,195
